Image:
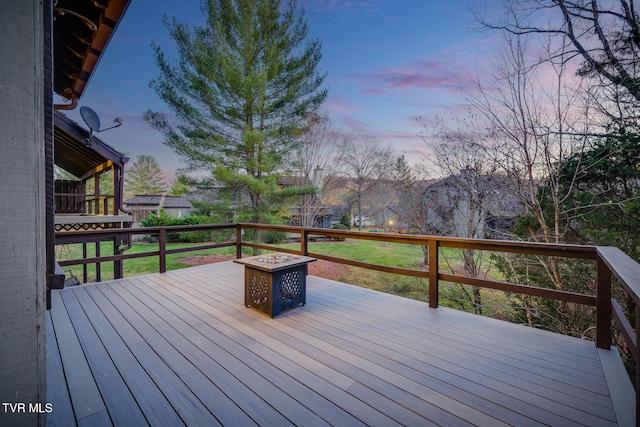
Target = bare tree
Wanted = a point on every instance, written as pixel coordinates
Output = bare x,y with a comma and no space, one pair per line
535,124
365,163
463,199
312,164
605,35
416,210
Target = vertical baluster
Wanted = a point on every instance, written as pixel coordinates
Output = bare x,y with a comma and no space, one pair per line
433,273
238,241
603,306
84,266
162,242
304,243
98,266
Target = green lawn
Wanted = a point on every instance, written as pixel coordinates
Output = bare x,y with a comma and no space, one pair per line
390,254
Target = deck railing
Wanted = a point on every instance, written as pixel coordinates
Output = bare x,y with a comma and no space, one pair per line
611,262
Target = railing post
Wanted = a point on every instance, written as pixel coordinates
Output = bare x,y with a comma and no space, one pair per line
162,242
85,273
433,273
603,306
238,241
304,245
118,267
98,265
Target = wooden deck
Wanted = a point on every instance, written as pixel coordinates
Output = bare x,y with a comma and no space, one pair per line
181,348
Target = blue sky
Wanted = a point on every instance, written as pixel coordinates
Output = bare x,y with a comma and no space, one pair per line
388,62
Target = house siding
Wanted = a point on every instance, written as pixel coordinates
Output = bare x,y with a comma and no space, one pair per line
22,202
142,205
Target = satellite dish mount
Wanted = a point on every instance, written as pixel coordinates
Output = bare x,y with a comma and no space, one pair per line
93,122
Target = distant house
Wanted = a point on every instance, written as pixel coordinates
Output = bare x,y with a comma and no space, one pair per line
338,212
471,205
309,211
316,215
143,204
217,200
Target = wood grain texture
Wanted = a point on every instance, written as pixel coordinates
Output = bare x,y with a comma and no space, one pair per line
22,202
350,356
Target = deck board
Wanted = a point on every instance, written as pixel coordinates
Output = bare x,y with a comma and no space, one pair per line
312,360
448,339
117,397
457,381
353,363
181,347
219,366
180,398
57,391
254,372
485,398
146,393
85,398
242,334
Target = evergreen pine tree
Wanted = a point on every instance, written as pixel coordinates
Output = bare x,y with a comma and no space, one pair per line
239,91
144,177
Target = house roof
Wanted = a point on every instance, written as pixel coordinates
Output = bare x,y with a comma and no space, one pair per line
158,200
319,211
338,211
71,152
499,193
81,31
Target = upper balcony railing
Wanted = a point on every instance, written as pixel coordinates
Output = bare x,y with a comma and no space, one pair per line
82,204
71,197
610,262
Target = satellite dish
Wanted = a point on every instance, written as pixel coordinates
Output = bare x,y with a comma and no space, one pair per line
93,121
90,118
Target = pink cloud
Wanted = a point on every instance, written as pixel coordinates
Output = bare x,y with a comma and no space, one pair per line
340,106
424,75
357,127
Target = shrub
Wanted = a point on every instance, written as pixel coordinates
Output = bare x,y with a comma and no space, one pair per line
191,236
159,220
274,237
165,219
346,221
340,227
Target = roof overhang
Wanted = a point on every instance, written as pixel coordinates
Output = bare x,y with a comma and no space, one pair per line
81,31
72,153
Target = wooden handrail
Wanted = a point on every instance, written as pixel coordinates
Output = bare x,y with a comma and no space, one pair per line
434,242
627,271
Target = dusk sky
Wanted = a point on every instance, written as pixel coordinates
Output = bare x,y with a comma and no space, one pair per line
388,62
